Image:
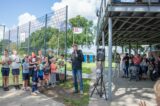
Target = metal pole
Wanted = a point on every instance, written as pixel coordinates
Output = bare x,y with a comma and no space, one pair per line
29,32
137,47
129,48
150,47
9,39
109,58
17,36
45,34
66,28
73,38
115,53
103,40
3,38
122,49
58,43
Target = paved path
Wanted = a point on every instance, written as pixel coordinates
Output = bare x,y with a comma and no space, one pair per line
126,93
22,98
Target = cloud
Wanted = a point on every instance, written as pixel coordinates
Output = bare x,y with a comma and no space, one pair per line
25,18
85,8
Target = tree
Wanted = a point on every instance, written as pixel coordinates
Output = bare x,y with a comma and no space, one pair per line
86,37
56,38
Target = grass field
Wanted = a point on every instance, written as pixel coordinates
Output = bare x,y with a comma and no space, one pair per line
86,69
82,100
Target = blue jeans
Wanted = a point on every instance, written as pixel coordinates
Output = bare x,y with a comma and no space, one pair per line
77,75
126,70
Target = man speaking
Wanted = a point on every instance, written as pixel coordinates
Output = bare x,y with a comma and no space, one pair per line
77,59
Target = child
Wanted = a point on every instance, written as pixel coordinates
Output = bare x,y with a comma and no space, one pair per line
25,73
61,64
53,72
6,61
35,80
46,72
40,72
15,69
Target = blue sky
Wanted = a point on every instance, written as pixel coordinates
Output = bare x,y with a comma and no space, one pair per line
10,10
18,12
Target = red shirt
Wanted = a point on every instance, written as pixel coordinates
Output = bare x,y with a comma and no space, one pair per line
136,60
53,68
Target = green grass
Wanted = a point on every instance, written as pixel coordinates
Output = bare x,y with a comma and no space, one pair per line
86,67
79,101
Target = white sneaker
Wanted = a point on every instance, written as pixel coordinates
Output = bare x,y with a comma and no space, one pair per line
34,94
37,92
81,92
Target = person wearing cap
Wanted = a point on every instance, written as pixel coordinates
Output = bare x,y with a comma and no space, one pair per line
77,59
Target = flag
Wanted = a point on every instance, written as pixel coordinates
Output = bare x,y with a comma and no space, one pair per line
77,30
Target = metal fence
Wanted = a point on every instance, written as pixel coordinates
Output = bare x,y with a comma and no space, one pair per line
20,37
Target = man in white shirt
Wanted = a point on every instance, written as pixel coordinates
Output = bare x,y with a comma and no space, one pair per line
15,69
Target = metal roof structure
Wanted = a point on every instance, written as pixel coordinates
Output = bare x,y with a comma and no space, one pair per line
131,23
127,23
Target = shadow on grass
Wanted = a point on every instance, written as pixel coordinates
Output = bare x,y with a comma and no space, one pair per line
63,93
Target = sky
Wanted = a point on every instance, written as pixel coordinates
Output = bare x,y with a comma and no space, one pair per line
18,12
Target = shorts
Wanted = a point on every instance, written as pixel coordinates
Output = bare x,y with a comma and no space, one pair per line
5,71
46,76
40,77
15,71
25,76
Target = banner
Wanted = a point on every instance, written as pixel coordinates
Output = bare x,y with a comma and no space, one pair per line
77,30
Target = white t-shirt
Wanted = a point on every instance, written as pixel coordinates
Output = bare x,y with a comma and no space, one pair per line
5,60
15,62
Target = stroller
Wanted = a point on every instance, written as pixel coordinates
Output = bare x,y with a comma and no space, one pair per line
134,73
153,72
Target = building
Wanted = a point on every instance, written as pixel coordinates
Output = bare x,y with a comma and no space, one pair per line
127,22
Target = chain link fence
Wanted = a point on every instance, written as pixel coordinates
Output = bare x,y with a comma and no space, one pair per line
24,38
34,35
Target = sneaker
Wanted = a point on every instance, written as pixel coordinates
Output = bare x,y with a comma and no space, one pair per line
7,89
34,94
81,92
37,92
15,87
4,88
75,92
28,89
18,87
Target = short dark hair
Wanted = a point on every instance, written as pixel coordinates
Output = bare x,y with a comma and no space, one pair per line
6,50
62,55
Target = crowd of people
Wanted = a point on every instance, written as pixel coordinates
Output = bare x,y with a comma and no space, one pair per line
42,70
142,65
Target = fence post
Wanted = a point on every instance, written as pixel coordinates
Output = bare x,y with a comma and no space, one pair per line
9,40
17,36
3,39
45,34
66,41
29,32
